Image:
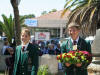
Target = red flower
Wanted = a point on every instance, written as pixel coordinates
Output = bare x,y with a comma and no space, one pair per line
68,56
74,57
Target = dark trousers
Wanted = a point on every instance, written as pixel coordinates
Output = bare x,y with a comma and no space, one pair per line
73,70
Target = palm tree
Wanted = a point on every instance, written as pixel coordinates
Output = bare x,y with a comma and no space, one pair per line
7,26
17,20
17,23
84,12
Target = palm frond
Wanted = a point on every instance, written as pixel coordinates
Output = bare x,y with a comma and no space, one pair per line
84,12
8,27
92,13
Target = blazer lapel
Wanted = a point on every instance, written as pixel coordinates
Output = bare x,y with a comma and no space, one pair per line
68,45
28,47
79,44
18,53
71,46
26,55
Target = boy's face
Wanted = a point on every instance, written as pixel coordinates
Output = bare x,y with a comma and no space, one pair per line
25,38
73,32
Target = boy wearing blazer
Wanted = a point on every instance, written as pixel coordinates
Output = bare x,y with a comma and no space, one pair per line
26,56
75,42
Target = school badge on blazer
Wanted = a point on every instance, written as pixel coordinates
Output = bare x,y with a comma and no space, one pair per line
74,47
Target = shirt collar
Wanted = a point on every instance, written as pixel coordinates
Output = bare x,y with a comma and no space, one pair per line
75,40
25,45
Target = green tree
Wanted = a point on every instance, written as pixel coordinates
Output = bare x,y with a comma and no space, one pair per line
44,12
0,31
7,26
53,10
30,16
84,12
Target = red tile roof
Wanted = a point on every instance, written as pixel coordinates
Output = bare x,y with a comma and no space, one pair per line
54,15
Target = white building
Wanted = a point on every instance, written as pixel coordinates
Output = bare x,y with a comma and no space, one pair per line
51,22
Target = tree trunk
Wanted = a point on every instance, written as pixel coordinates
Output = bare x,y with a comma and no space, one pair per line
17,23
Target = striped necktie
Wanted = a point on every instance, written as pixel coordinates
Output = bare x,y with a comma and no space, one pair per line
23,47
74,42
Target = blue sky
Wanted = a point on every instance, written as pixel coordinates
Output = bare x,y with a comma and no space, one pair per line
31,6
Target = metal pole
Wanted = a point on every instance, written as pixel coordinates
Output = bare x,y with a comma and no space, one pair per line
61,31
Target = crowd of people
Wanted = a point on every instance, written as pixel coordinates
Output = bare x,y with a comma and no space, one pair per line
49,47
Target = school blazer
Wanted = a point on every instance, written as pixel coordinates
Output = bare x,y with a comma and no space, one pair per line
32,51
82,46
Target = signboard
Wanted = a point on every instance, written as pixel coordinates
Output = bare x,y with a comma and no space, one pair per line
31,22
42,35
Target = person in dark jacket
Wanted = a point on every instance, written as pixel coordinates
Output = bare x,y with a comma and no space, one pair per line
26,56
75,42
51,50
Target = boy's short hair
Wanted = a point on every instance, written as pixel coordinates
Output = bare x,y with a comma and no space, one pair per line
26,30
73,24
